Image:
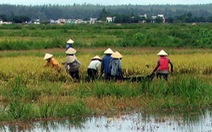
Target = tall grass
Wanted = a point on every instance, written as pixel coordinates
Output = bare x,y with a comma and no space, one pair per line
101,89
28,102
182,93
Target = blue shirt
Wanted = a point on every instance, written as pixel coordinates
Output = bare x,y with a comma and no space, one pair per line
68,45
105,67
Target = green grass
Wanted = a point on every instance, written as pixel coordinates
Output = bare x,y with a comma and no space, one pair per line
26,37
24,102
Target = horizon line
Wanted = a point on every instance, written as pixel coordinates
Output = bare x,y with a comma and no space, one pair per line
97,4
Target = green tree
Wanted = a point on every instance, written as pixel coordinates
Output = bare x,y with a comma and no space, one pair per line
3,17
104,14
159,20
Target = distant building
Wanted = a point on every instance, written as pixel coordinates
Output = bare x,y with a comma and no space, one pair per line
77,21
110,19
162,16
92,20
143,16
60,21
52,21
153,19
2,22
36,21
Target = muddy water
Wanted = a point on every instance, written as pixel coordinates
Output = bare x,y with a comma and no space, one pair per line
134,122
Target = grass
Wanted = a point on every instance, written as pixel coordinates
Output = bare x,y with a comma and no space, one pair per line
28,91
21,101
28,37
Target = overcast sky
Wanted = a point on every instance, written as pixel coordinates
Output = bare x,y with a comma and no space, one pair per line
103,2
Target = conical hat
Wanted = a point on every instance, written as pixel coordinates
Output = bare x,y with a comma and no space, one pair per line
97,57
108,51
119,54
116,55
70,51
162,53
47,56
70,41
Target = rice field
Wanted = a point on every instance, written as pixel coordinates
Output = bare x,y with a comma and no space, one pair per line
135,62
30,91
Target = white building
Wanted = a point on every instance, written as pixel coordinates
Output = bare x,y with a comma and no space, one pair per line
92,20
162,16
109,19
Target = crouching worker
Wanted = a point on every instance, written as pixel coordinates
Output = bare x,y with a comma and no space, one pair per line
72,64
116,67
162,68
51,62
93,68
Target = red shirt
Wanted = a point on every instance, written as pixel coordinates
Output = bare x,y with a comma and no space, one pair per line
163,63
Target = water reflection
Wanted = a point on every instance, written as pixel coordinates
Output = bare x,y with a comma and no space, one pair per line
134,122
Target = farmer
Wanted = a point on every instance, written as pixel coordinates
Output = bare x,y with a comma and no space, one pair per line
105,68
93,68
69,44
162,68
72,64
51,62
116,67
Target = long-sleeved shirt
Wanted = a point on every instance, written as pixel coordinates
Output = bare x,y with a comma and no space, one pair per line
94,64
72,64
71,58
116,68
105,67
52,62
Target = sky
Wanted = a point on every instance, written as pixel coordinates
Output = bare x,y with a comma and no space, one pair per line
103,2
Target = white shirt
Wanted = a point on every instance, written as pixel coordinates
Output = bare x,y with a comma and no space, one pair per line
70,59
94,64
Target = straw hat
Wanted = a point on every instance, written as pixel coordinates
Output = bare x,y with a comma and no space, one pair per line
96,57
119,54
70,41
47,56
70,51
162,53
108,51
116,55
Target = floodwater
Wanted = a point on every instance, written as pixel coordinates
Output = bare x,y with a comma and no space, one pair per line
133,122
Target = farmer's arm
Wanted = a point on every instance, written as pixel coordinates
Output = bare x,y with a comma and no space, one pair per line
172,67
102,67
48,63
156,68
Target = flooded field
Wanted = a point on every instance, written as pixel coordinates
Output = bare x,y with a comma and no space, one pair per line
133,122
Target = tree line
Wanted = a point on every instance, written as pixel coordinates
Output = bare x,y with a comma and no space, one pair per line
122,13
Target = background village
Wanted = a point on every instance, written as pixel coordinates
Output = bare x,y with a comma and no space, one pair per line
90,21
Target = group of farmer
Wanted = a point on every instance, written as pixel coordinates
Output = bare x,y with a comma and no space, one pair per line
110,66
